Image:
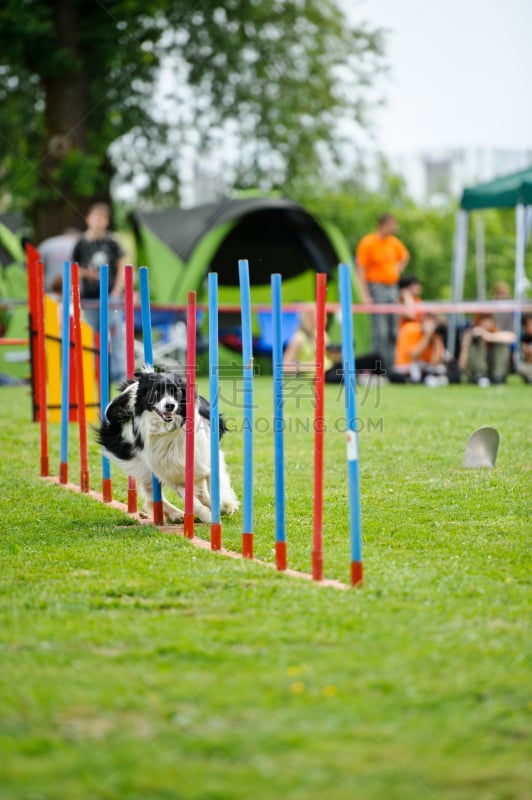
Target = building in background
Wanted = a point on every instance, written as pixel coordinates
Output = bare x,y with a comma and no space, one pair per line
433,176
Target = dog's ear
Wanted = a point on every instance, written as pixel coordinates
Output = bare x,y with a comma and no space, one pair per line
223,426
119,409
145,370
203,407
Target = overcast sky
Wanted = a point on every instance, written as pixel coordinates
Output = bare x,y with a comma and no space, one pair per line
461,72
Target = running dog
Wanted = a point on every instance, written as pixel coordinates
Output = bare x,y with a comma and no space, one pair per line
144,433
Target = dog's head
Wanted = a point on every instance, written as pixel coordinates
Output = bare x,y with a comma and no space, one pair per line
164,395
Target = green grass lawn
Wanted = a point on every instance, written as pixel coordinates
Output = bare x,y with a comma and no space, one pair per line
135,666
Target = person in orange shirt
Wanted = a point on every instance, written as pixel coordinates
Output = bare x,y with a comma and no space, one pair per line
420,353
410,290
381,258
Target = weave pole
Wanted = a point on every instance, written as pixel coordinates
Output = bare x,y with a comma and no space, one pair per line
40,371
319,424
348,357
80,386
104,372
247,374
65,374
32,257
190,422
278,423
216,523
158,516
130,366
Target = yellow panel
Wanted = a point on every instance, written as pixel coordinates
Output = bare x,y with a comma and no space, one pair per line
52,327
53,358
89,373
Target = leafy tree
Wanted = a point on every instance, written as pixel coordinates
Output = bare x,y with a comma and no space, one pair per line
81,98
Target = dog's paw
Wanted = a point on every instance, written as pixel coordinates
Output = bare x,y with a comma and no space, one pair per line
202,513
229,506
172,514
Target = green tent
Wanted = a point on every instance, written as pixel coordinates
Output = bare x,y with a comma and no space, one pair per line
505,192
180,246
508,191
13,293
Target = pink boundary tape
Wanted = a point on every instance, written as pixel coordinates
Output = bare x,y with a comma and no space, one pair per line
202,544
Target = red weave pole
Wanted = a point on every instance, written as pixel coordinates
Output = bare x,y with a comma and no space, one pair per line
216,535
319,422
80,388
32,257
130,367
357,573
280,556
40,352
97,355
190,415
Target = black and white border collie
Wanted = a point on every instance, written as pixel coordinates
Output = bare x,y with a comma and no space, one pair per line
144,432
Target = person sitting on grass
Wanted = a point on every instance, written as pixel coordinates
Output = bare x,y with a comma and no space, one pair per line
410,291
420,353
485,351
524,367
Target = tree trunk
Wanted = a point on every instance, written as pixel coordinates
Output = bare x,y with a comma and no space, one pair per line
59,204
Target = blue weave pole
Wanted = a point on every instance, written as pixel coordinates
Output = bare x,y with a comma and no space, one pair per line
278,422
216,528
247,374
104,370
348,358
65,374
148,361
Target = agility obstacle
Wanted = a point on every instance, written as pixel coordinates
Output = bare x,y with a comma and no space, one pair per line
278,423
40,359
190,422
214,399
46,323
348,355
104,372
65,375
129,307
319,422
247,394
72,354
158,516
80,389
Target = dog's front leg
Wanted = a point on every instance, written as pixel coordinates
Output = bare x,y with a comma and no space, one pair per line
228,499
170,512
201,511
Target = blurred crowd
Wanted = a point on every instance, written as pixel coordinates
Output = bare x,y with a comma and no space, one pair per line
412,346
